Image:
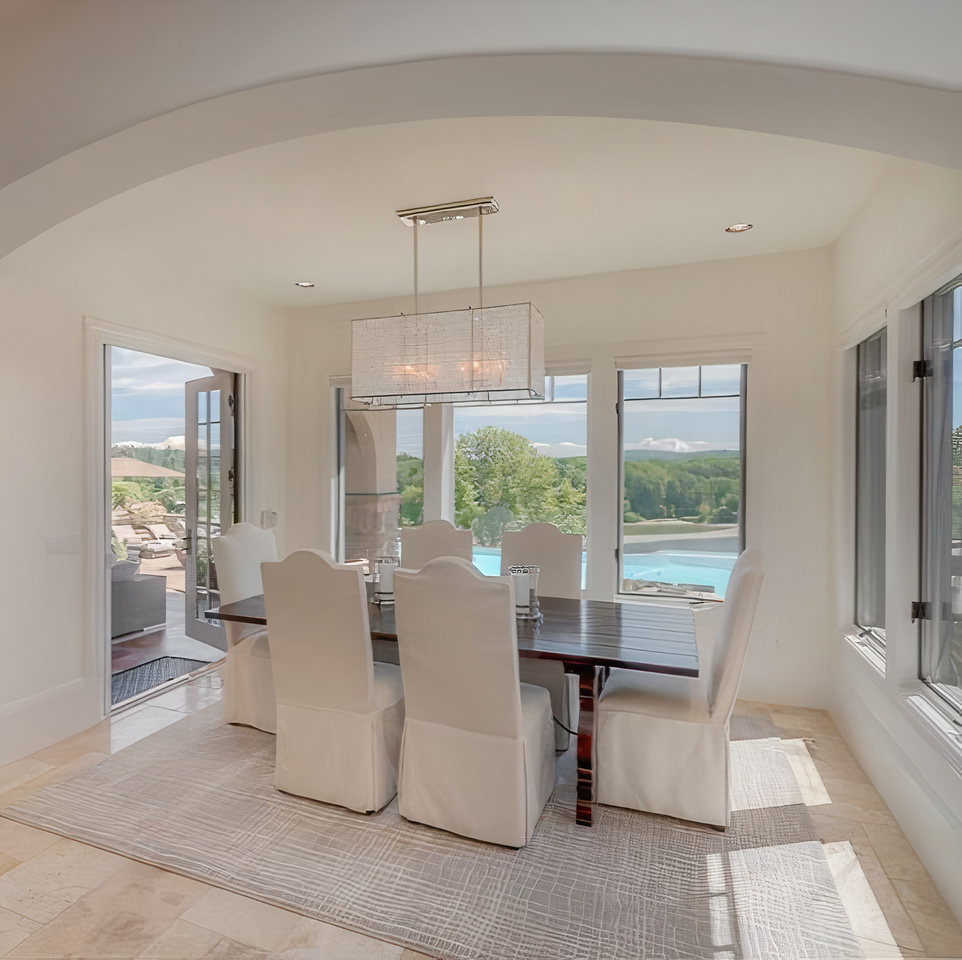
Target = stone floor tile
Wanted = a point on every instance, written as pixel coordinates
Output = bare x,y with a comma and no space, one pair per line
832,829
752,708
132,727
922,898
47,884
868,922
95,739
119,918
940,936
414,955
21,771
856,801
21,842
54,774
333,943
14,929
188,698
248,921
899,859
896,916
185,941
7,863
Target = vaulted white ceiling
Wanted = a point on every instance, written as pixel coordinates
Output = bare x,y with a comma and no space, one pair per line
578,196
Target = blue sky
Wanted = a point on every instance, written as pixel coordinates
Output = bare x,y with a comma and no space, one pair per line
713,421
147,395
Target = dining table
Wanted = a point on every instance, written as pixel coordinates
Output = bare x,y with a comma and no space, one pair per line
589,637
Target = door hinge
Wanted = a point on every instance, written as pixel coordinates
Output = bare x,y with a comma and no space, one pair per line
921,369
920,610
230,401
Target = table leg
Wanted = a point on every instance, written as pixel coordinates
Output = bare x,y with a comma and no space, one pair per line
589,687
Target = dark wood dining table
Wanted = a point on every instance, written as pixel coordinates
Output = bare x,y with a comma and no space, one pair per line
588,636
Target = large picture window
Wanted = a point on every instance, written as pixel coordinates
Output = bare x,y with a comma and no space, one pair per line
870,488
681,479
941,613
521,463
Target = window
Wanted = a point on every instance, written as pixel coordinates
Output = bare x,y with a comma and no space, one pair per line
941,613
383,476
870,489
681,479
521,463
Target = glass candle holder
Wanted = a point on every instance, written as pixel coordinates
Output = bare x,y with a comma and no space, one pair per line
384,568
525,579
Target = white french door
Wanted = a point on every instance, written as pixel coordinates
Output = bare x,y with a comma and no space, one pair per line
212,494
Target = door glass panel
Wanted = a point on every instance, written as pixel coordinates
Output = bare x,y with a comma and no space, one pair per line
211,499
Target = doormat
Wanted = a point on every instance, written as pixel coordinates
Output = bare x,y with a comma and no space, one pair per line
137,680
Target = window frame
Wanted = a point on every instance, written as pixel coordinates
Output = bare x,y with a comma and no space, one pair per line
872,636
622,368
940,695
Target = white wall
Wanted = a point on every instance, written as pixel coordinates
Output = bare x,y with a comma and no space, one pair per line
49,683
775,308
905,244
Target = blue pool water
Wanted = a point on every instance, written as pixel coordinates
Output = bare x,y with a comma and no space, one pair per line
664,567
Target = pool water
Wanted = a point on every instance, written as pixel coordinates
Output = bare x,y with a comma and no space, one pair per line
712,569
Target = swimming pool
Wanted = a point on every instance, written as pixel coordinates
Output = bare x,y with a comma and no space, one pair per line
669,566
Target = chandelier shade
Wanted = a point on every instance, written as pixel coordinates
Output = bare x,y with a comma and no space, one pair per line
486,354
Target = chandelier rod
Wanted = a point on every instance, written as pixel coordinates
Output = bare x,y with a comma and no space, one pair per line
415,266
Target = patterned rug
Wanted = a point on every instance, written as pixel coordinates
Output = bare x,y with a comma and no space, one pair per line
197,798
137,680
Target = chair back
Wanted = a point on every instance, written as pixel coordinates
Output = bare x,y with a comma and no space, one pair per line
731,644
557,554
458,645
238,555
436,538
320,635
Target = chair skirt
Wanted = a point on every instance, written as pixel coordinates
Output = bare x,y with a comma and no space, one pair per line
478,785
678,768
249,684
349,759
550,674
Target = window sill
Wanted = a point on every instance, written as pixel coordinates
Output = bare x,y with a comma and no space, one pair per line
869,651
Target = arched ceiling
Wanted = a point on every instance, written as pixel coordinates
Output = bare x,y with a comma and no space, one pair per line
578,196
104,95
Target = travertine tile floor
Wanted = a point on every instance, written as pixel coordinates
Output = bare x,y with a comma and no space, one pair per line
60,898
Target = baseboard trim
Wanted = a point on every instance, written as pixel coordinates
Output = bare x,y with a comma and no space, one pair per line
37,721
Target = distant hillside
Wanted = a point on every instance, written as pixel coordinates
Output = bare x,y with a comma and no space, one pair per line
672,455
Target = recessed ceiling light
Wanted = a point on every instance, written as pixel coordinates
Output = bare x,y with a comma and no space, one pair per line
303,283
738,228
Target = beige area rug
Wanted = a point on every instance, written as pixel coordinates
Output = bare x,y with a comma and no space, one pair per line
197,798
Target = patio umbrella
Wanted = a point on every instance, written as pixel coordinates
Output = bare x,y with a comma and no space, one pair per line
130,467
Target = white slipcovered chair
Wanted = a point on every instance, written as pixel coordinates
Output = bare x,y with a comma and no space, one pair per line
436,538
559,557
248,680
478,751
663,740
339,714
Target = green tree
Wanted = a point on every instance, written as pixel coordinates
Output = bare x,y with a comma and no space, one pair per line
124,492
504,469
501,481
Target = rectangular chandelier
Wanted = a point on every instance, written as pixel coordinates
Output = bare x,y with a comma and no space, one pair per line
482,355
